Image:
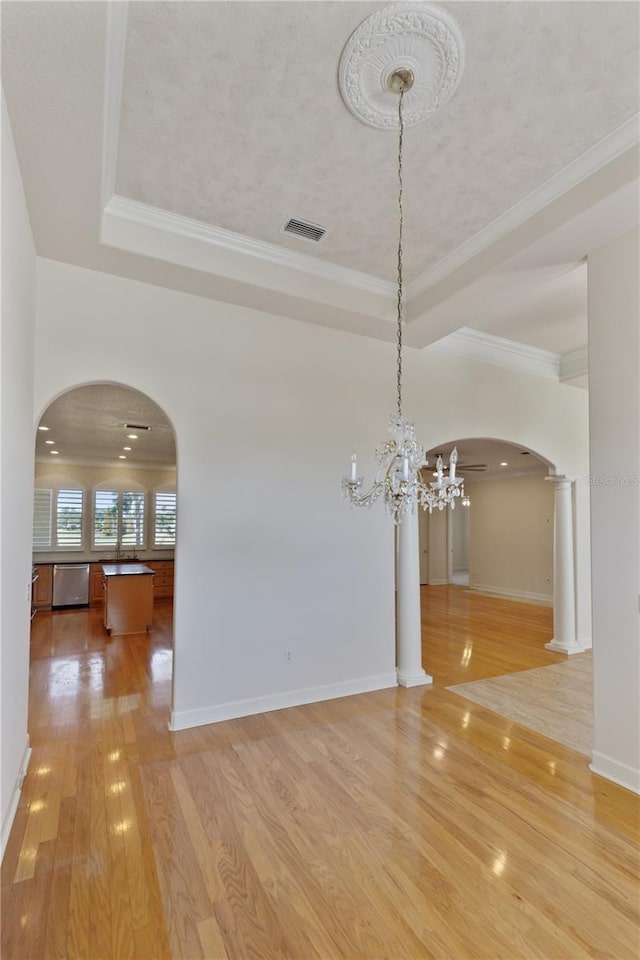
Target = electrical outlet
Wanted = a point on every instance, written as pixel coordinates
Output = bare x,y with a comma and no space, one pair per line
288,655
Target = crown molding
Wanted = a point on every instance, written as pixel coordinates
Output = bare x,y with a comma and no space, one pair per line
142,214
574,364
504,353
117,15
604,151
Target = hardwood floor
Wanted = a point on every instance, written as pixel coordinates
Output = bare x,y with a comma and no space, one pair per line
397,824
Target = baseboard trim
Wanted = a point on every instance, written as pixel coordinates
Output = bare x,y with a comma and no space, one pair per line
15,799
614,770
183,719
541,599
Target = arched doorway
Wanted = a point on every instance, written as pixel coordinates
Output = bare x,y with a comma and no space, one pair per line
499,538
105,495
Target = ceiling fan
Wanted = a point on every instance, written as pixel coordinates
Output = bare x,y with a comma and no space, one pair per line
461,467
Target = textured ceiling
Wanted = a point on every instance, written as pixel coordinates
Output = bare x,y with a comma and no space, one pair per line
232,115
88,424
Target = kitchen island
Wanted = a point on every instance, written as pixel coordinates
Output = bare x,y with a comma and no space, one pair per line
128,598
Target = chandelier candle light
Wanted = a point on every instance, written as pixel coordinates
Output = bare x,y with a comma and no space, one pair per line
399,481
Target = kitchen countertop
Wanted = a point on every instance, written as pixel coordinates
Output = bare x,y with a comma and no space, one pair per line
126,569
41,560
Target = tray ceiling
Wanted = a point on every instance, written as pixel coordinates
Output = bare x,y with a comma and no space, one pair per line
231,114
214,122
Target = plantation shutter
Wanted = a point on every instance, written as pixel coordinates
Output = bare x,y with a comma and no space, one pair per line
69,518
165,520
133,519
105,518
42,518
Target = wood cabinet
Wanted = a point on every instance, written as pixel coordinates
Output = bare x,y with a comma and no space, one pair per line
42,587
96,589
163,580
128,598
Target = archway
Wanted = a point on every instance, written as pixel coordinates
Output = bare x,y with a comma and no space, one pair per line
513,510
105,494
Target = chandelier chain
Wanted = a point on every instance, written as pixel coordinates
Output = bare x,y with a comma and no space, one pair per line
399,481
400,226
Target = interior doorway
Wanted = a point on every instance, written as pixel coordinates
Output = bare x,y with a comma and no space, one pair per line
436,547
499,537
460,543
105,500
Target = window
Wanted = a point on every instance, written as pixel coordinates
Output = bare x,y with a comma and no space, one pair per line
42,518
119,517
69,518
66,506
165,520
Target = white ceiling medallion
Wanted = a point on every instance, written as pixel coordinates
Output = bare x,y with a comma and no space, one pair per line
417,37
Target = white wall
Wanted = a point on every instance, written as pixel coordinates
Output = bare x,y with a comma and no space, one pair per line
511,538
16,473
266,413
614,374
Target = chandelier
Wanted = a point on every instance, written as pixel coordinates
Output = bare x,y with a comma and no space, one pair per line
402,480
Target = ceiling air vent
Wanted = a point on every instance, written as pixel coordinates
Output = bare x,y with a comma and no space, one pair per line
304,230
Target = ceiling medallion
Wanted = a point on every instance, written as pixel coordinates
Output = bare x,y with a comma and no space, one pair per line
417,37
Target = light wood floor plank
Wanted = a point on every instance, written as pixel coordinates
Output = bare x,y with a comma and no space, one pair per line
398,824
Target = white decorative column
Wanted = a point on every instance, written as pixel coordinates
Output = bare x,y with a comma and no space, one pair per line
564,595
409,634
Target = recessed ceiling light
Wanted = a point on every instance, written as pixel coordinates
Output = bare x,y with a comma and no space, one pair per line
504,464
126,448
132,436
55,452
43,428
50,441
122,457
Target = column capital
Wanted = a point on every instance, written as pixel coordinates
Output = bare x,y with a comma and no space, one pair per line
560,479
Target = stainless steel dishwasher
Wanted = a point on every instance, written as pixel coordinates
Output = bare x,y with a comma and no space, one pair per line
70,584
